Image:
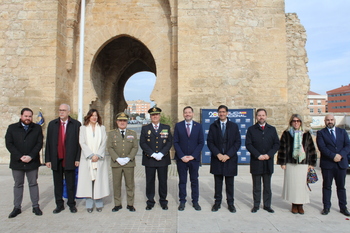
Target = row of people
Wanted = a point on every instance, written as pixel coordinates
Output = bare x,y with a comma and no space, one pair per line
70,145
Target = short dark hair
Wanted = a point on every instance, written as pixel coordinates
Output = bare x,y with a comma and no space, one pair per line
89,114
26,109
187,108
223,106
259,110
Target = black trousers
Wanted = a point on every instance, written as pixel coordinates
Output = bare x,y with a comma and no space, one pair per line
162,186
229,182
267,194
339,176
69,175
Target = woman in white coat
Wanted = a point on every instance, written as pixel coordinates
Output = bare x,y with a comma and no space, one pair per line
93,181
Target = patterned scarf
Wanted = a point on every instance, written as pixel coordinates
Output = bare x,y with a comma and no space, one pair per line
298,149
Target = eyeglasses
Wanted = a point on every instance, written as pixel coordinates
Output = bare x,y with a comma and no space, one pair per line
296,121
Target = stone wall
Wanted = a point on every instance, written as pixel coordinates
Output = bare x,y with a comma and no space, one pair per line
245,54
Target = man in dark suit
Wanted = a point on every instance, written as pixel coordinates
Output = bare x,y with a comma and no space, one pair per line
62,155
334,145
224,140
24,140
155,141
188,143
262,143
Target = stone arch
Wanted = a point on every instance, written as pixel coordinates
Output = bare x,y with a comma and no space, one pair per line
115,63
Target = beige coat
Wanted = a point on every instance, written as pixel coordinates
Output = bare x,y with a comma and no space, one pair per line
101,187
121,148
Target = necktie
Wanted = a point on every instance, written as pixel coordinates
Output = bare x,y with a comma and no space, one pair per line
333,136
62,133
156,128
26,127
223,129
122,133
262,127
188,129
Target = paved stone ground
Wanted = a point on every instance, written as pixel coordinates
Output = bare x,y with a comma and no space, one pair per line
172,220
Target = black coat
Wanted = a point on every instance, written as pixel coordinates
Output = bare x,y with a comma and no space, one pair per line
259,142
19,143
285,152
230,143
71,143
152,142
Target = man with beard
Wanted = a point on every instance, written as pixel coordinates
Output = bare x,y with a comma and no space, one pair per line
334,145
224,140
62,155
24,140
262,143
188,143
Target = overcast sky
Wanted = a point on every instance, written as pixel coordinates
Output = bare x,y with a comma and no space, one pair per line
328,47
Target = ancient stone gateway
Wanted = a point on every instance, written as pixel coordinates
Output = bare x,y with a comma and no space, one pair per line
245,54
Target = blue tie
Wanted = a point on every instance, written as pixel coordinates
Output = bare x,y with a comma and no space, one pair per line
333,136
223,129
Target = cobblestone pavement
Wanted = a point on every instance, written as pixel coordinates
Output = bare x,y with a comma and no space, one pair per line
172,220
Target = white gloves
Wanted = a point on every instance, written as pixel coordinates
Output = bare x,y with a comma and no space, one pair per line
158,156
123,161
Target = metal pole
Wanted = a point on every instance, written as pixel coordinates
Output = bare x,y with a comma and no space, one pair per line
81,62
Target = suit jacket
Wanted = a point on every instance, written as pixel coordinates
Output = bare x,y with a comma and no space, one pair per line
230,143
329,149
191,145
71,143
260,142
19,143
152,142
119,147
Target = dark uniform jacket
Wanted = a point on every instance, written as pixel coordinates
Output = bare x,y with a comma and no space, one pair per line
285,152
71,143
152,142
228,145
259,142
19,143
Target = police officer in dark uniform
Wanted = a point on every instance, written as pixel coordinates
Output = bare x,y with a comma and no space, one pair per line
155,141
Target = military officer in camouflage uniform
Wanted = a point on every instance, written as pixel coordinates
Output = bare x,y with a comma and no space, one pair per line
156,141
122,147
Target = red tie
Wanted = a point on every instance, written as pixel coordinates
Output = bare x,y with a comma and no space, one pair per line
263,127
61,149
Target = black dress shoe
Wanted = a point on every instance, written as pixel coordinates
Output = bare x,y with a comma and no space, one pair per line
345,212
58,210
15,212
181,207
215,207
164,207
37,211
89,210
232,208
255,209
73,209
99,209
131,208
149,207
116,208
325,211
268,209
197,207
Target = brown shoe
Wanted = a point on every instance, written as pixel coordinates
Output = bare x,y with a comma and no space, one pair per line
300,209
294,208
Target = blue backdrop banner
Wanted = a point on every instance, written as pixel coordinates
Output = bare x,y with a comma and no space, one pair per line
244,118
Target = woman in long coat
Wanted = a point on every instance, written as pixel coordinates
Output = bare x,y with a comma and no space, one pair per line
296,155
93,181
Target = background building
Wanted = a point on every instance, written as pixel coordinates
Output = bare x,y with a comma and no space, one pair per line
139,107
339,99
317,103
